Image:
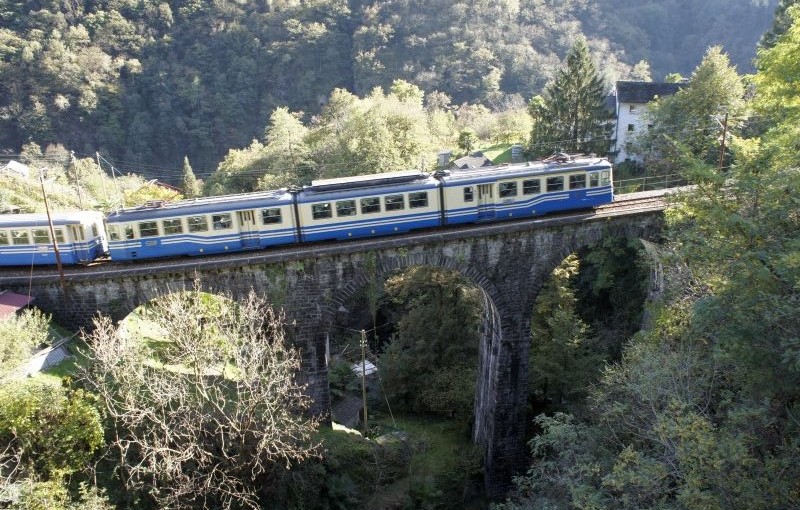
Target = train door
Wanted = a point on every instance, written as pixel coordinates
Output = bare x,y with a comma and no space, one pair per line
79,246
485,201
248,230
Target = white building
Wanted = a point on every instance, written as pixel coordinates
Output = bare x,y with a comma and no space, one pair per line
632,98
16,168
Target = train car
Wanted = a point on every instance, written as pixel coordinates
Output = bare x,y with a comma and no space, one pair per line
25,238
525,189
202,226
368,205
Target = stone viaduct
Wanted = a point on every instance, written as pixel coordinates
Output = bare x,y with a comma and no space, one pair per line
508,262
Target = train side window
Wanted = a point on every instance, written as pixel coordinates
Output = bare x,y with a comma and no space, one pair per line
78,233
41,236
221,221
59,235
173,226
3,238
271,216
531,187
370,205
418,199
469,194
113,232
20,237
321,211
148,229
128,231
555,183
394,202
605,178
508,189
197,223
577,181
346,208
594,180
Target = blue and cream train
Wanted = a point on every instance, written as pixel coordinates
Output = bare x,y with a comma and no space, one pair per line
330,209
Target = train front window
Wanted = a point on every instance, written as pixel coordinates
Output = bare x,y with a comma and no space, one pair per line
41,236
594,180
577,181
129,232
605,178
270,216
20,237
531,187
59,235
418,199
555,183
394,202
173,226
321,211
221,221
370,205
508,189
346,208
148,229
469,194
197,223
3,238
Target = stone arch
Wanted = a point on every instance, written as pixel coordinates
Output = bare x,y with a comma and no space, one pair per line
494,309
541,272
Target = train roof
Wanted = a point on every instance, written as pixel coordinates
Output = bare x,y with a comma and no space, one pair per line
359,185
40,219
529,168
204,205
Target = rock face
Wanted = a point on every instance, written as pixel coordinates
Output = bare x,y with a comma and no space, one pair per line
508,262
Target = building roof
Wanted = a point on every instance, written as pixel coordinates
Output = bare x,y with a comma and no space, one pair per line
11,303
643,92
474,160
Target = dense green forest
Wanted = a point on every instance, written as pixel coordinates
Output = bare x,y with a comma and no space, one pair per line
149,82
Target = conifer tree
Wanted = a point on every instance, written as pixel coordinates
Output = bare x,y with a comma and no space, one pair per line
571,116
192,187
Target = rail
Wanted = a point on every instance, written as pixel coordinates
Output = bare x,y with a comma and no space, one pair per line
649,183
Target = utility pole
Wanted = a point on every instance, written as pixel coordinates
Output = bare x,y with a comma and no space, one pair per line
53,236
364,377
722,142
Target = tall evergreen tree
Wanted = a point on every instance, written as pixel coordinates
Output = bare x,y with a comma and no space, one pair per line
571,116
192,187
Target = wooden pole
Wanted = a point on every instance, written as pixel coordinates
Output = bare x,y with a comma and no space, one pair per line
53,236
364,377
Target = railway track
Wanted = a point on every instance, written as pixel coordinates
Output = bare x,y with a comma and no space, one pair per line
626,204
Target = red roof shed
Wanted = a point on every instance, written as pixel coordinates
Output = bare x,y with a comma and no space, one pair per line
11,303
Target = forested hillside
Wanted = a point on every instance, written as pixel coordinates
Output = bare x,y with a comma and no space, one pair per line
149,82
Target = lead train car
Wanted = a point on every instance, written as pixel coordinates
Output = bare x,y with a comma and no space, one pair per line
25,238
525,189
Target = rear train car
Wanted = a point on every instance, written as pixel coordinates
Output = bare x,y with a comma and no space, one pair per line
202,226
525,189
25,238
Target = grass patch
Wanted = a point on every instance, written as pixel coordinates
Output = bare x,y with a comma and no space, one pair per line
499,153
